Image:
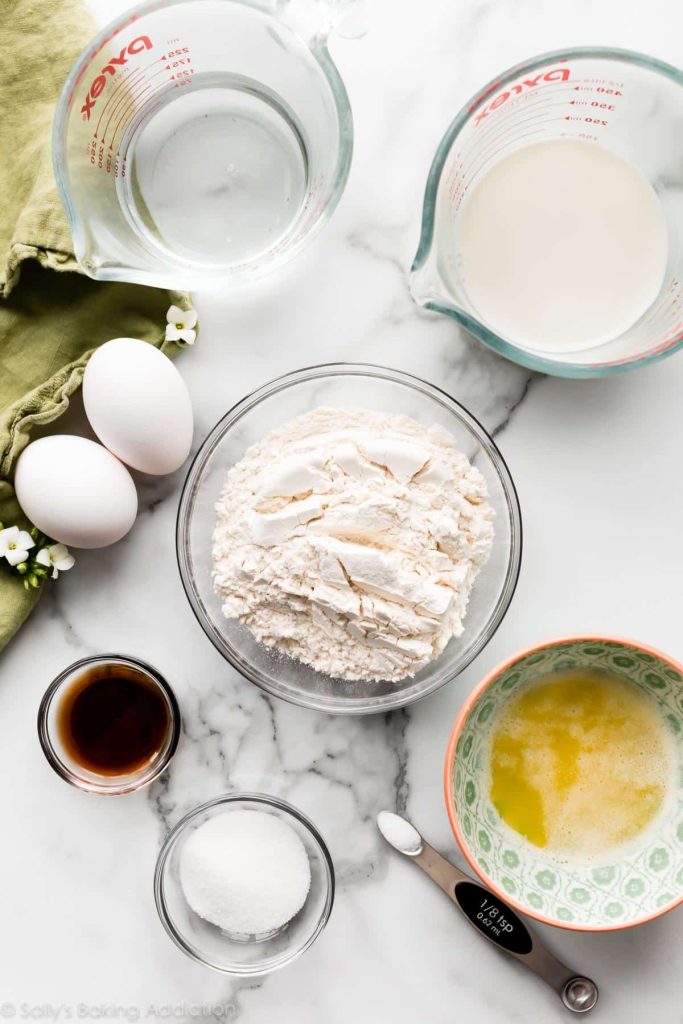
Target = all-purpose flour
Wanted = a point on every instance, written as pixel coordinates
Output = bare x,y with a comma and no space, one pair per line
350,540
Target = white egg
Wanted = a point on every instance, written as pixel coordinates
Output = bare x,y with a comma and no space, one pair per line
138,405
75,491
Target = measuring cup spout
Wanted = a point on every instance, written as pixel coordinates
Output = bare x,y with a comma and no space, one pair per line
423,286
428,290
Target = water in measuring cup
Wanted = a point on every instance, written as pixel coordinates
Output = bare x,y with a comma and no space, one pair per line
562,246
216,171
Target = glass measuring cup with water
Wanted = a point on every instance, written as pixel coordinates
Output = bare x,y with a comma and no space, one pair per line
200,140
629,104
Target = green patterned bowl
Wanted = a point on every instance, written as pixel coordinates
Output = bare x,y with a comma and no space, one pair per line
625,888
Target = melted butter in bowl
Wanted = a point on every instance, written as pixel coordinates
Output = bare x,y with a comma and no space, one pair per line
564,782
580,762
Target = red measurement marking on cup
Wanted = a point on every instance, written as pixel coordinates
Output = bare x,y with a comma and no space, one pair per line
175,64
131,101
122,160
598,122
555,96
109,70
126,85
522,86
522,121
105,42
599,98
670,337
672,302
526,114
134,88
593,104
128,112
602,82
459,181
128,78
122,103
542,111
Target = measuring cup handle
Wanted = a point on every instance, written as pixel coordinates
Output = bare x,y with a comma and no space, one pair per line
349,17
345,18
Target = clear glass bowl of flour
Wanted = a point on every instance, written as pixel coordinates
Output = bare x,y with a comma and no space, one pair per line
343,386
244,955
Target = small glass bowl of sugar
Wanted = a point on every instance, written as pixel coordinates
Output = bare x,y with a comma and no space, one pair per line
244,884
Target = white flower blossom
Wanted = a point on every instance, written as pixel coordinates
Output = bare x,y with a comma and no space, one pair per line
15,544
58,557
181,324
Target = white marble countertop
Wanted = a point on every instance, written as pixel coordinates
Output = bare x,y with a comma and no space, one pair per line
597,465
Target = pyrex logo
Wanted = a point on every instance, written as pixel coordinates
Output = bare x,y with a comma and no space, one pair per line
555,75
110,68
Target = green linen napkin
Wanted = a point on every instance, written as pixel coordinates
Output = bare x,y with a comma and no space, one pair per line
51,316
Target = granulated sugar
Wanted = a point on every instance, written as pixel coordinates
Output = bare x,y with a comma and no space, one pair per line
246,872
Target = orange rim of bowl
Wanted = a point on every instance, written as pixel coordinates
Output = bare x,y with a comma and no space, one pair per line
449,793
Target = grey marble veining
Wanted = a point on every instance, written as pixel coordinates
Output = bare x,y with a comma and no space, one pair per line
595,465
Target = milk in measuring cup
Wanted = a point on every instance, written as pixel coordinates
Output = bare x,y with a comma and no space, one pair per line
561,246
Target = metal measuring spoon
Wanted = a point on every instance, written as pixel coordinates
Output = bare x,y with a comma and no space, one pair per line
489,914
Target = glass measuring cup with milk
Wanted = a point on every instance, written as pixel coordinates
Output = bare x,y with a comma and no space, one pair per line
200,140
553,214
208,140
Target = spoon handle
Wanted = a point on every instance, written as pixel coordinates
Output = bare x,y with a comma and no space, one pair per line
498,923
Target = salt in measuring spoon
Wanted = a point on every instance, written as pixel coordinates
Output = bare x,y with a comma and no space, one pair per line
489,914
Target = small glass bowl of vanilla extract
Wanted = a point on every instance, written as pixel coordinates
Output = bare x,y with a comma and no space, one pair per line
109,724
